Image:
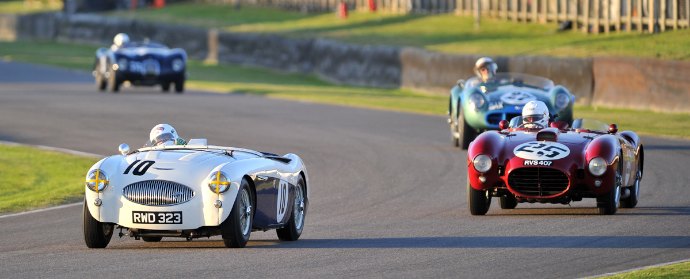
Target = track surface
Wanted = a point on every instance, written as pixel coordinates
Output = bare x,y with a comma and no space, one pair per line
388,194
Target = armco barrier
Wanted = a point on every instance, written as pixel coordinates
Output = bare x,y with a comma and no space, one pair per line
613,82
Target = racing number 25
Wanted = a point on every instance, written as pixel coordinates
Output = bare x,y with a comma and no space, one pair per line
139,169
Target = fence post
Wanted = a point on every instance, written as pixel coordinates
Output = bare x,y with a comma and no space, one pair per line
662,16
607,16
585,17
650,24
675,14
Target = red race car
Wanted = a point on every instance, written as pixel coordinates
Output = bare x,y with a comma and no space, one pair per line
556,164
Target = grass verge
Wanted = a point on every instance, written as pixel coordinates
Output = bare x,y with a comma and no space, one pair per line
33,178
439,32
248,80
29,6
678,270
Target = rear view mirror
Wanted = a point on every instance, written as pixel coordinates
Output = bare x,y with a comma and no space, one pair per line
461,83
124,149
613,128
503,124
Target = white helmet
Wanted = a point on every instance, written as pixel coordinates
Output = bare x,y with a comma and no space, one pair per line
120,39
535,114
488,64
162,133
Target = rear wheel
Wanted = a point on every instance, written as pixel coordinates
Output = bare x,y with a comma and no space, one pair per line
508,202
293,229
478,200
165,87
96,234
238,226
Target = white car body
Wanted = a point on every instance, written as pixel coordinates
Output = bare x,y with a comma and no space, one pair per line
164,191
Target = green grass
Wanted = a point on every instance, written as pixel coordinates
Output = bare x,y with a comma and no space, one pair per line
444,33
29,6
33,178
258,81
678,270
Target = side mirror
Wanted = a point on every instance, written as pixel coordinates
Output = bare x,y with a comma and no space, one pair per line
613,128
503,124
124,149
461,83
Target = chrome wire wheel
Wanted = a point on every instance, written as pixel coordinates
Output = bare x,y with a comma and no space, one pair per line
245,212
298,208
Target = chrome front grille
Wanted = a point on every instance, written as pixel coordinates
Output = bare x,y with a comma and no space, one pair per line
538,181
157,193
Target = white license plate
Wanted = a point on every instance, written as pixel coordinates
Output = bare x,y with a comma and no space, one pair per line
147,217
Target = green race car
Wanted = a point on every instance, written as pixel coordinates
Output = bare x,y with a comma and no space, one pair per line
477,106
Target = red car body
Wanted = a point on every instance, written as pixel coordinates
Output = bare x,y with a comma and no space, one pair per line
551,165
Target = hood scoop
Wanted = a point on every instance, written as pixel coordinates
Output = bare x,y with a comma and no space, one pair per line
548,134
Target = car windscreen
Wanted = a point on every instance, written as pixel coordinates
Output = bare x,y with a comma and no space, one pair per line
516,79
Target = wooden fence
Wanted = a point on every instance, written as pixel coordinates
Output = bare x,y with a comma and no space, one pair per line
587,15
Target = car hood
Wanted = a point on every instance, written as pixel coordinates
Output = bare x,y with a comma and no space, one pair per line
188,167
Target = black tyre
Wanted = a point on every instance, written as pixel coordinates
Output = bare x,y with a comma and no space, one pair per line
467,133
609,203
101,83
238,226
113,83
454,140
508,202
96,234
165,87
478,200
631,200
294,226
152,238
179,86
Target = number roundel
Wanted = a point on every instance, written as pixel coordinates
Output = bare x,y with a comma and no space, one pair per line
541,150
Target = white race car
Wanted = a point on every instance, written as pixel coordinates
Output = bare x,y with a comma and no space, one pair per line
194,190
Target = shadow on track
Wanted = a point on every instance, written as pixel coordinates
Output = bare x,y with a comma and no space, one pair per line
464,242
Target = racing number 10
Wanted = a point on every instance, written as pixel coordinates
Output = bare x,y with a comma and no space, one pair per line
140,169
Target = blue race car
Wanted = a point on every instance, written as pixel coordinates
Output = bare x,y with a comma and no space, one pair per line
139,63
477,106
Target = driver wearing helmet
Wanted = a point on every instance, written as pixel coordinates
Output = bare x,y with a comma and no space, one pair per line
119,41
535,115
164,134
485,69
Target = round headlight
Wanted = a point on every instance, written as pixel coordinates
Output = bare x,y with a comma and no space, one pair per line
122,64
177,65
482,163
218,182
597,166
476,100
96,180
562,100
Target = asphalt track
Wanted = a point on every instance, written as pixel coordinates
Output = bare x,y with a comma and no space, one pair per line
388,194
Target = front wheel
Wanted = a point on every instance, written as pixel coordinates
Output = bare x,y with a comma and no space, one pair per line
293,229
238,226
608,204
179,85
465,132
113,83
96,234
478,200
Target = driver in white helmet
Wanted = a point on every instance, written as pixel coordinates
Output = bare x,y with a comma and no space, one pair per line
535,115
164,134
119,41
485,69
